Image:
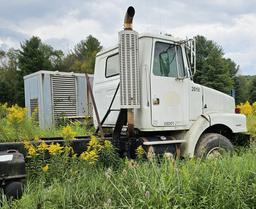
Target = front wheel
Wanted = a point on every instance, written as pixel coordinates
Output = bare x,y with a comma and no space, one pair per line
213,145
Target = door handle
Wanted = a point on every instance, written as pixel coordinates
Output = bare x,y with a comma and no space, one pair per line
156,101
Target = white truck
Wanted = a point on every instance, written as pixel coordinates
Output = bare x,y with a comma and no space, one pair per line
144,89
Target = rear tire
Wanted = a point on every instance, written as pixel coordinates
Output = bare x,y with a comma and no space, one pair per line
212,145
14,190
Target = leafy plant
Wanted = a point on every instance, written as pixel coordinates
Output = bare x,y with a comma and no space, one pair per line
250,111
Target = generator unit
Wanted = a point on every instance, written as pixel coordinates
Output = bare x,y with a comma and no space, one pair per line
51,95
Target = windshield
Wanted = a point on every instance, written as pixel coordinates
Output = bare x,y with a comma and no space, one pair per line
168,60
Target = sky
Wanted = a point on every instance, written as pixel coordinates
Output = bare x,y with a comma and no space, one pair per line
64,23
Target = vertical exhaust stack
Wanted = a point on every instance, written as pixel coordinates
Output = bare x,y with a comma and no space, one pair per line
129,18
129,68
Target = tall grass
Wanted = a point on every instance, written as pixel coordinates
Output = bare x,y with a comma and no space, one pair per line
251,124
229,182
73,183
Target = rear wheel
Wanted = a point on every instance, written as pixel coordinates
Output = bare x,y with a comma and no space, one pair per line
13,190
151,151
213,145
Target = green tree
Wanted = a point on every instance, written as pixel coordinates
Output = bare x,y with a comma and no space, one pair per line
253,90
232,67
9,78
2,54
35,55
9,91
68,63
82,59
241,86
213,70
54,57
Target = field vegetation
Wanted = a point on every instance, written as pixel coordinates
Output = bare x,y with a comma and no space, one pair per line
250,111
15,125
98,178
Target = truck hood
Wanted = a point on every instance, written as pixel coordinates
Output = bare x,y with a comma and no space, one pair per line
216,101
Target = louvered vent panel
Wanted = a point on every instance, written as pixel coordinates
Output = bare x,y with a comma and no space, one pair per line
129,70
64,96
34,108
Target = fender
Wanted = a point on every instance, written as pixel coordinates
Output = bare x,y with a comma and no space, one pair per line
236,123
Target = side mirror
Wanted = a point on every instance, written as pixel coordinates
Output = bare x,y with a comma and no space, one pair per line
193,55
191,52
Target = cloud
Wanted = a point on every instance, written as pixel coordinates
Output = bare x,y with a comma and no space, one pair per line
6,43
238,39
245,61
63,23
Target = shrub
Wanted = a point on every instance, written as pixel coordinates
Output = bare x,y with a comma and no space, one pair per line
15,125
250,111
102,153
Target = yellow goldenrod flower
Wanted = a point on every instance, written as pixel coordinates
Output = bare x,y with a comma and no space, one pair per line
31,150
55,149
36,138
45,168
90,156
140,151
94,141
108,145
16,114
245,108
68,133
83,156
43,146
26,144
94,144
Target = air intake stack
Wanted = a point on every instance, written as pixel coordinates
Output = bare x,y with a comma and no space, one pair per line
129,70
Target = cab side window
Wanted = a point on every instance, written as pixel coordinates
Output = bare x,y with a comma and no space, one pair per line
112,66
168,60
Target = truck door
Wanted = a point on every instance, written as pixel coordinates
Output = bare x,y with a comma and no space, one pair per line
169,87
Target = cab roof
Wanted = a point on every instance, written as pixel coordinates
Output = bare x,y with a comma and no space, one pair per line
144,35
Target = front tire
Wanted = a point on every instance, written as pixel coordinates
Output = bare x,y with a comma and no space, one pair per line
212,145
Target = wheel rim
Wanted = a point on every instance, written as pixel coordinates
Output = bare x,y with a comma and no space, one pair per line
215,153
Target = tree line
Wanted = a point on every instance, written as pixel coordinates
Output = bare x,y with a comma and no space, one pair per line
213,69
34,55
218,72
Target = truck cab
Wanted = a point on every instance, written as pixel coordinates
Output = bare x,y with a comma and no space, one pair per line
173,108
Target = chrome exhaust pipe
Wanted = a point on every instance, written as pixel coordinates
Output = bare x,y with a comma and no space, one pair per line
128,18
